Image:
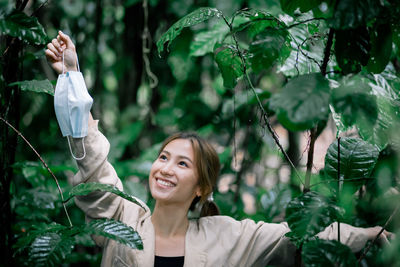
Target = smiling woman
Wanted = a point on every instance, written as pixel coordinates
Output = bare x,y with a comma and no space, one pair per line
182,176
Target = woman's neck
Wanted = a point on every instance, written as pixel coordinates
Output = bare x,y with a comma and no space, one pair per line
169,220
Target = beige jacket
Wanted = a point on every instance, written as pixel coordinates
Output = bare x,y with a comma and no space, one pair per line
210,241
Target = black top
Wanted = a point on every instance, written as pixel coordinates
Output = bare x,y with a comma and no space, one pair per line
160,261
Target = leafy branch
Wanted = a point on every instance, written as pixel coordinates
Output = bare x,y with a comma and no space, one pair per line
260,105
44,164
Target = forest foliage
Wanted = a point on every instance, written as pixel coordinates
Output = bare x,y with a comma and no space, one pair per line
234,71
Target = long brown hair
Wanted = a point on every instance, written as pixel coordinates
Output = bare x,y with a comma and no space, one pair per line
207,166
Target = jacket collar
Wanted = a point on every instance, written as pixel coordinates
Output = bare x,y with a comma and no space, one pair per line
193,255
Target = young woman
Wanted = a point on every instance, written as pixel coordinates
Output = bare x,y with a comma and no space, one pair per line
184,173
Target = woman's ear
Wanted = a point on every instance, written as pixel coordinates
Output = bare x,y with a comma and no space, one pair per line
198,191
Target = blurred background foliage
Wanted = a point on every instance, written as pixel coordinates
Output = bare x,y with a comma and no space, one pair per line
198,84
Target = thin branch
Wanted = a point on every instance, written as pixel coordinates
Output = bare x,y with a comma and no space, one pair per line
339,183
310,158
327,51
380,232
146,45
347,180
264,113
302,22
40,7
45,165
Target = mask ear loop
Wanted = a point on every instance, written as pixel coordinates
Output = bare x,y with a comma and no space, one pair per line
84,151
77,62
63,62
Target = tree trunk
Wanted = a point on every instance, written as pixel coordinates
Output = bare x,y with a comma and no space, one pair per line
10,111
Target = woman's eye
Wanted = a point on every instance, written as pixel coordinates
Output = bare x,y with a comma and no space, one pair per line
163,157
182,163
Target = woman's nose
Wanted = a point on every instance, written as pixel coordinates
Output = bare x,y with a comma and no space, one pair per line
167,169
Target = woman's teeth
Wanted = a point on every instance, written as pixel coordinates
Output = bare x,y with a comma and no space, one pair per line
165,183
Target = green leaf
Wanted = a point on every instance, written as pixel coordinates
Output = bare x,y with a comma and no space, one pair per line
229,64
259,21
303,59
354,101
267,47
381,48
36,231
115,230
195,17
42,86
327,253
351,14
357,160
303,102
309,214
86,188
23,27
50,249
205,41
289,6
352,49
388,120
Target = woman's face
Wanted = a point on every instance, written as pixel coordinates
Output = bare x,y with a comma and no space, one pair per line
173,176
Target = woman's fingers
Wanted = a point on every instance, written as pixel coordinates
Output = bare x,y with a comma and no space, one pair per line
51,47
51,56
56,44
68,42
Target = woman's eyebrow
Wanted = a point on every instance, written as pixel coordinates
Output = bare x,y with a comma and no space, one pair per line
179,156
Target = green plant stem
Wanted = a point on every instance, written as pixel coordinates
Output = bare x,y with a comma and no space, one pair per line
263,112
45,165
310,159
339,185
380,232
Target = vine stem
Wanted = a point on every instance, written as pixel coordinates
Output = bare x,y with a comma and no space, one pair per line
339,185
380,232
264,113
44,164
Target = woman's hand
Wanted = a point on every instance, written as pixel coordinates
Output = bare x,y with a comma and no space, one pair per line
54,53
384,238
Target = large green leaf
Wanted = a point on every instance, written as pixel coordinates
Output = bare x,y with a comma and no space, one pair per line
205,41
307,51
327,253
257,21
350,14
42,86
357,160
37,230
309,214
352,49
86,188
269,46
303,102
354,101
23,27
229,64
381,48
115,230
387,121
50,249
195,17
289,6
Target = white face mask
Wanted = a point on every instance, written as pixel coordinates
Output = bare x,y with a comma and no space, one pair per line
72,104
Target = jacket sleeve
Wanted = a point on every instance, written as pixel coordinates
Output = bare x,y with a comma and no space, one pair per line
94,167
261,244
